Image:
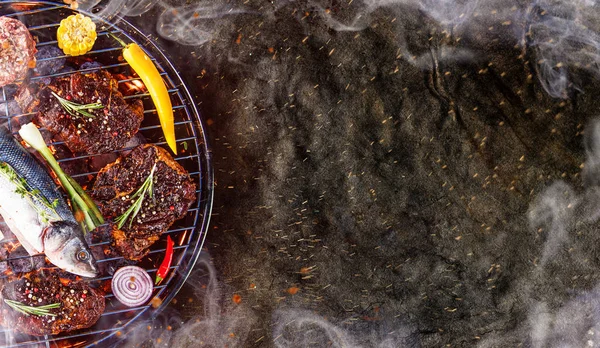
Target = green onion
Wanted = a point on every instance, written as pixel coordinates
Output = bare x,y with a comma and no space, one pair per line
146,188
27,310
74,108
80,200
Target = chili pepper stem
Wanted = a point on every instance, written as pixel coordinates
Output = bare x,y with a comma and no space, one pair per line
117,39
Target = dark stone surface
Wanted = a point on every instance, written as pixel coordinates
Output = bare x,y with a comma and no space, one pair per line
410,183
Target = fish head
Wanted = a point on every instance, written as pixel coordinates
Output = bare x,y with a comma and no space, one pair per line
66,248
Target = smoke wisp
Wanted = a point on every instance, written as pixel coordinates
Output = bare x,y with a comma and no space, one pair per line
194,24
220,321
565,37
301,328
186,24
559,313
562,34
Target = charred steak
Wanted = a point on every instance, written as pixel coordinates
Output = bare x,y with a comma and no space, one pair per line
80,305
17,50
109,128
173,193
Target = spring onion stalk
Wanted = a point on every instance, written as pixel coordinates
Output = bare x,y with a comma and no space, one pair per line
82,203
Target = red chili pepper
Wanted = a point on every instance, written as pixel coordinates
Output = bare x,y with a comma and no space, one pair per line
166,264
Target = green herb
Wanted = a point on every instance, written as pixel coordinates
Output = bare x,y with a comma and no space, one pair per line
73,108
34,196
146,188
27,310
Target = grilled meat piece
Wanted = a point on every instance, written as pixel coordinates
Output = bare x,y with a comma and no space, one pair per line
80,305
109,129
17,50
174,192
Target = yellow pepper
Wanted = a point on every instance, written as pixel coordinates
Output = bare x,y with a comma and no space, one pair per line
76,35
145,68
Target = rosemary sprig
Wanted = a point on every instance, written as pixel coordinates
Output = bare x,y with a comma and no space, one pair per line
33,196
73,108
27,310
146,188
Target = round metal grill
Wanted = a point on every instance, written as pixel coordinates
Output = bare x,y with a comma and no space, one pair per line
42,18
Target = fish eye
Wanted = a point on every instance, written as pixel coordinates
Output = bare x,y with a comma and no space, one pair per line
83,255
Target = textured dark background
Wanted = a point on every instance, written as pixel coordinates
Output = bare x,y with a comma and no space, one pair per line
394,174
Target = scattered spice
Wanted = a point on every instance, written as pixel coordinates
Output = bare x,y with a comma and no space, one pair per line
156,302
138,196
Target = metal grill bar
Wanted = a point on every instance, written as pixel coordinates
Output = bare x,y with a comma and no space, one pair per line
105,50
195,160
23,13
170,231
176,107
54,42
62,160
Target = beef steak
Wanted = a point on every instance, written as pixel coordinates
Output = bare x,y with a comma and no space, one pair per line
80,305
109,128
174,192
17,50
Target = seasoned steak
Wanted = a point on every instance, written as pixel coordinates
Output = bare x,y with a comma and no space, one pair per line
108,129
17,50
80,305
173,193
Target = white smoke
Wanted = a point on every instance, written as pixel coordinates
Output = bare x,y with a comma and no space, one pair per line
565,37
562,33
450,13
302,328
551,217
194,25
562,315
220,322
575,323
563,41
179,21
109,9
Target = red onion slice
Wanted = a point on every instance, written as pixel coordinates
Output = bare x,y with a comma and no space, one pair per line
132,286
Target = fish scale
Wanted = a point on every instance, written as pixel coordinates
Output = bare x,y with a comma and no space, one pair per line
12,153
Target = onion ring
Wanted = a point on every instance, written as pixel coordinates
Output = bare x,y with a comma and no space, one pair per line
132,286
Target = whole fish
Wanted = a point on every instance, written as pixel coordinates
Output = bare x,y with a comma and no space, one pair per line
35,211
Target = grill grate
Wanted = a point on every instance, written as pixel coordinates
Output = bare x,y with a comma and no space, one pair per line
42,18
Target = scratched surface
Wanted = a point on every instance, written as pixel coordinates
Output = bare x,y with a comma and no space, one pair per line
408,184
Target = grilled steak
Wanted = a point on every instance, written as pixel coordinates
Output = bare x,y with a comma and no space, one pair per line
174,192
109,128
80,305
17,50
